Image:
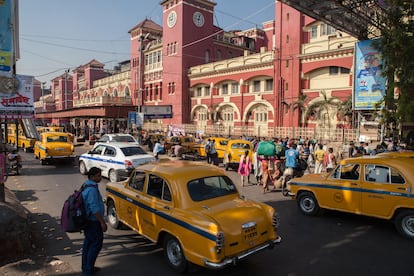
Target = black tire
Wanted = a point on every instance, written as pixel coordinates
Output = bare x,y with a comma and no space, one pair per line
82,168
404,222
174,254
113,220
226,166
17,170
308,204
113,176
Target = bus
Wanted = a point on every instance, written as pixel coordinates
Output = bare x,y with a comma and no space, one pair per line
18,138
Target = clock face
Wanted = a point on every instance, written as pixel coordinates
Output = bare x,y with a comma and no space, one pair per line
171,19
198,19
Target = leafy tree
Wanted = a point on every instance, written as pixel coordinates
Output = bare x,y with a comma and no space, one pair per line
322,107
397,47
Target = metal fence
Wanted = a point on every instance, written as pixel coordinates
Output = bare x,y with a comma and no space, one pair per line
322,134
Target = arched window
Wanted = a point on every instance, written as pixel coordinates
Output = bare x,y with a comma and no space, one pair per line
127,92
207,56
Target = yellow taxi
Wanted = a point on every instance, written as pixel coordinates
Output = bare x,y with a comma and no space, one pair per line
372,186
194,211
187,142
54,146
220,145
234,150
396,154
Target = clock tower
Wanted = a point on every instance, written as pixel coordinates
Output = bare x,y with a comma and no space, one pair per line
187,34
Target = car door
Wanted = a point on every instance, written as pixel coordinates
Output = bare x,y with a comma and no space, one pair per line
130,208
384,189
108,162
341,190
94,157
157,206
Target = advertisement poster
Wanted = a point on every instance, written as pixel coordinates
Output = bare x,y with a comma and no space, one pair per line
18,104
369,84
5,38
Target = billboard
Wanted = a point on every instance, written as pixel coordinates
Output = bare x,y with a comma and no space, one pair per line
369,84
18,103
6,38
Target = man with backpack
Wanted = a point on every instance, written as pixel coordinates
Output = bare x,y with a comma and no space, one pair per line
96,226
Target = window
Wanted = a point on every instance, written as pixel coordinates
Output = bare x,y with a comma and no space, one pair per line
207,56
287,38
314,32
269,85
234,88
256,86
345,70
218,55
225,89
324,29
210,187
199,92
137,181
109,151
333,70
207,91
287,63
348,171
158,188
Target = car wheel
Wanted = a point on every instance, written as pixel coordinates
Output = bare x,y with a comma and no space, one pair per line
42,161
112,216
113,176
82,168
308,204
174,254
404,222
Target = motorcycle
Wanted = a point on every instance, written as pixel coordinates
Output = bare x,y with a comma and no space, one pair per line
13,163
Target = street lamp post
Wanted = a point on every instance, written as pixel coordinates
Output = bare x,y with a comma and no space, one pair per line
66,88
43,101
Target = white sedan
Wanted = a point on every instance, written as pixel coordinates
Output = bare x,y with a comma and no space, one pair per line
116,160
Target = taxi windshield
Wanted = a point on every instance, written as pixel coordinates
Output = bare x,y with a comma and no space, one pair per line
129,151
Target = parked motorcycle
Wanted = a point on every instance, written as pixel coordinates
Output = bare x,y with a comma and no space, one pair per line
13,162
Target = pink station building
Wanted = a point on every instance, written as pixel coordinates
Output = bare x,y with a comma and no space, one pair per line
238,81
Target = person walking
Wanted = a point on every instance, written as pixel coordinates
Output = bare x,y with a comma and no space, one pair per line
207,149
213,152
96,226
245,166
319,156
331,160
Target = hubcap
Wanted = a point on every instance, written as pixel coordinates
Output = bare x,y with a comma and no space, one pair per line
308,204
408,225
174,252
112,216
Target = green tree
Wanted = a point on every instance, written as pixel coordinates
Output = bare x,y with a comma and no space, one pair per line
321,108
397,47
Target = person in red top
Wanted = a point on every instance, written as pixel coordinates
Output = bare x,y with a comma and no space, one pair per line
266,175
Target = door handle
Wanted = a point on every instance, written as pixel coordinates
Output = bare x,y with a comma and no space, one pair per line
166,207
403,189
354,184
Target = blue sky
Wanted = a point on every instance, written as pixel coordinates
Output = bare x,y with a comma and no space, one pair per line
56,35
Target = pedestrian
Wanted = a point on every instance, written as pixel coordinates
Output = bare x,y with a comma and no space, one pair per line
319,156
96,226
207,149
245,166
266,175
159,148
213,152
331,160
257,167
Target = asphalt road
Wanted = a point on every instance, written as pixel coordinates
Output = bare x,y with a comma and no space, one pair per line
330,244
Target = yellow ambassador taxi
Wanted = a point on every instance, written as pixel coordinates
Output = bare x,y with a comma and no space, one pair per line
54,146
220,145
234,150
194,211
373,186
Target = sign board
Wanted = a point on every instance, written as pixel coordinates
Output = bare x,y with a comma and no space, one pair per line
369,83
135,119
157,111
17,102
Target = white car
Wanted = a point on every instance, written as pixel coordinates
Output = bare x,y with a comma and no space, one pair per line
117,137
116,160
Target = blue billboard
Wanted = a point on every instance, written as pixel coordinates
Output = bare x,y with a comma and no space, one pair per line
369,84
6,37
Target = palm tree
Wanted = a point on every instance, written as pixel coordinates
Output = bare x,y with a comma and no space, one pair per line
298,104
321,107
345,109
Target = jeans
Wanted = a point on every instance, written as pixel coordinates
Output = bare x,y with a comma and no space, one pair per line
92,245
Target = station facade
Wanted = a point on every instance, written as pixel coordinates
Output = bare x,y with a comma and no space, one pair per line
294,71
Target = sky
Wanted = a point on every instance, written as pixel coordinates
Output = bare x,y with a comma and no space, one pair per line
56,35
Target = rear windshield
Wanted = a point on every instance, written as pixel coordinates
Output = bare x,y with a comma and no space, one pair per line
210,187
240,146
128,139
128,151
